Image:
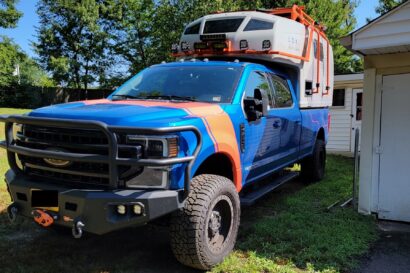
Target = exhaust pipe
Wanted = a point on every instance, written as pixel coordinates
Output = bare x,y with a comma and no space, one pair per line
12,211
77,229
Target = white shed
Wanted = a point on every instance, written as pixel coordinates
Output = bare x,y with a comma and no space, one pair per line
345,112
384,44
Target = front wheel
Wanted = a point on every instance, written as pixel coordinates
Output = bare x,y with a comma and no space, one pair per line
313,167
204,231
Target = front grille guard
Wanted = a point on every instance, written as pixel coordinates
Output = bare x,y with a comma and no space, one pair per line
111,159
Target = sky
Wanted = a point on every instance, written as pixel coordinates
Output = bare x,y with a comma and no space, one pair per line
25,32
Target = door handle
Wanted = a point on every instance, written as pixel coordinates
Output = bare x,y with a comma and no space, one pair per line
276,124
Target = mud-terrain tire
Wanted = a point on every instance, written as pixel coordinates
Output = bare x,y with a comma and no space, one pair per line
313,167
204,231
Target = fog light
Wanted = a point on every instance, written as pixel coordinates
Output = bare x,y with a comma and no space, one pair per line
138,209
121,209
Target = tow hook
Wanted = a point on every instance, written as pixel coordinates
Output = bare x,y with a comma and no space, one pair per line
77,229
12,212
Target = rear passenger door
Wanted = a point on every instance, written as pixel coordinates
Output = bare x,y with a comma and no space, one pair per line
286,120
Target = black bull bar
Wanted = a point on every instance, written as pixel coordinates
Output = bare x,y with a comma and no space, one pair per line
112,159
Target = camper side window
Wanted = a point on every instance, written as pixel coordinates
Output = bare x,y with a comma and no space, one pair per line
192,29
322,53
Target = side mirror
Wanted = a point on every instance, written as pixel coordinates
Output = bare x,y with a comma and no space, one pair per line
257,107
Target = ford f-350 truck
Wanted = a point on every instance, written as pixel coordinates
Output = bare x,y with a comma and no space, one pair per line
184,139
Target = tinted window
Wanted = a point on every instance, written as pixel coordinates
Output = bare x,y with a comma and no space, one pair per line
338,97
193,29
222,26
258,25
282,96
257,80
203,83
315,50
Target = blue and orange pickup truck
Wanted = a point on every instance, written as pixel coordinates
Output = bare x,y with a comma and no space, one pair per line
185,141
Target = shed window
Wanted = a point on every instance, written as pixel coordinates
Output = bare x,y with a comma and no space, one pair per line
255,24
222,26
339,97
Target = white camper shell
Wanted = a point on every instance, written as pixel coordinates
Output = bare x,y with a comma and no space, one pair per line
284,37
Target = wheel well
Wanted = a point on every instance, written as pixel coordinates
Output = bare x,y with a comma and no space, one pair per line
321,134
218,164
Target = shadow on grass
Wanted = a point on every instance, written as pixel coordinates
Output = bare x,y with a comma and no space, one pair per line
26,247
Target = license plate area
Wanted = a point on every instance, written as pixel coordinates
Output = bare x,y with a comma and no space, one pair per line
44,199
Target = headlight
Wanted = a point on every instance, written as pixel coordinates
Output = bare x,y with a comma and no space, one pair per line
156,146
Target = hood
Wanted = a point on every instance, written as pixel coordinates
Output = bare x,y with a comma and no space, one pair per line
128,112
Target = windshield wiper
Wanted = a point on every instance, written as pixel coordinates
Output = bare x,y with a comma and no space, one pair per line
126,96
171,97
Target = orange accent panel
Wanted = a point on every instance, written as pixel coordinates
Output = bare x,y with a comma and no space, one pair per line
223,132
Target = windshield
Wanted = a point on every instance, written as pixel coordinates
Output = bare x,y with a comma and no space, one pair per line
193,83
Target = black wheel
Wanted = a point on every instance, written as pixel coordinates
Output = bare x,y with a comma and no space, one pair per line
313,167
204,231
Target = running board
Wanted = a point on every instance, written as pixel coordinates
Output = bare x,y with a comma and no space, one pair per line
251,197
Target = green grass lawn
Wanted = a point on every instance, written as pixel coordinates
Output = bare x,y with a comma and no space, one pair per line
4,197
294,232
288,231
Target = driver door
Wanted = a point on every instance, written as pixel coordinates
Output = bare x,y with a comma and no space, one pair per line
262,137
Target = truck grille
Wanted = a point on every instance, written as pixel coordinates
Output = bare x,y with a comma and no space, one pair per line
72,141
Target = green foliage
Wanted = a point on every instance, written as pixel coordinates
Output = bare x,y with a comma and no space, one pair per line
387,5
73,40
9,57
297,230
12,56
9,16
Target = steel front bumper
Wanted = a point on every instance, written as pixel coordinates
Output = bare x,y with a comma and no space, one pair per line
96,209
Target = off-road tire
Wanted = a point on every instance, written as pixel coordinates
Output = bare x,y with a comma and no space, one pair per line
192,227
313,167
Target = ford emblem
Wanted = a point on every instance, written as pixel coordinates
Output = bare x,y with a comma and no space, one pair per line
57,162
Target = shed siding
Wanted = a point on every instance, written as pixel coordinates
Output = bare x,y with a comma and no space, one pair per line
389,34
340,125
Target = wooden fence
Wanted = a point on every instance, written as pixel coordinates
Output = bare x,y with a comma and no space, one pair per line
33,97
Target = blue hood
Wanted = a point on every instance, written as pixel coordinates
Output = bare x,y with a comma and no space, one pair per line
115,113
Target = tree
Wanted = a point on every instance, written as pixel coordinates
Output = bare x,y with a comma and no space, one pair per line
387,5
73,40
9,58
9,16
29,72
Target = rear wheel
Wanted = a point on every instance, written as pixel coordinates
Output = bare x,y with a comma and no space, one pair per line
313,167
204,231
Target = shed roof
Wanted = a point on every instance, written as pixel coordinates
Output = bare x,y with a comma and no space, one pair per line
388,33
